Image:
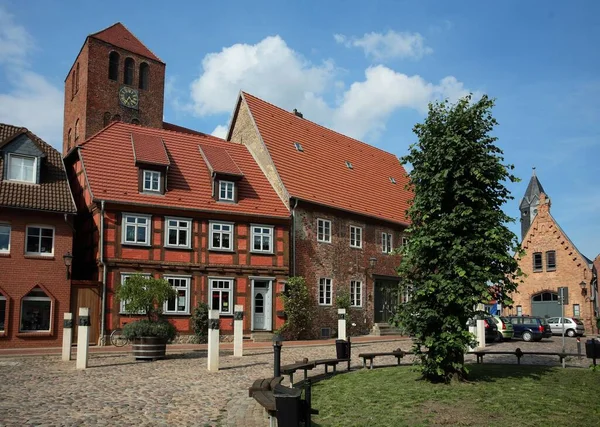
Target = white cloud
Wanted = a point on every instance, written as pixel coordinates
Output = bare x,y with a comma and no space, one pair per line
220,131
381,47
29,99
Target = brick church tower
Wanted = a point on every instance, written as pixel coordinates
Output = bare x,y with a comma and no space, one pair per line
115,77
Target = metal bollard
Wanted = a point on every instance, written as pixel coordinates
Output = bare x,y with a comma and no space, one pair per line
579,347
277,339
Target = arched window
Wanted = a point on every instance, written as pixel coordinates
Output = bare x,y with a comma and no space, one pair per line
135,121
116,118
106,119
69,139
128,71
72,84
113,66
77,78
144,74
76,130
36,311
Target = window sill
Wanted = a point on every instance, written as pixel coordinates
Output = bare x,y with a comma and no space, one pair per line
4,254
538,271
3,334
261,253
325,305
44,257
180,248
139,245
176,314
34,334
221,250
550,269
355,247
323,241
152,193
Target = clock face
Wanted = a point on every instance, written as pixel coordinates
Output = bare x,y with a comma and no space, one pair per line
129,97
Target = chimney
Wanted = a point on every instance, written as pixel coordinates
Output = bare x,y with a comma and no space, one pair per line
298,113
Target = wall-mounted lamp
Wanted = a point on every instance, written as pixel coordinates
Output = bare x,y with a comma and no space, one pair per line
68,259
372,261
583,288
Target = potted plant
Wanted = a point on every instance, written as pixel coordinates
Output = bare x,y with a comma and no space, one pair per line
144,295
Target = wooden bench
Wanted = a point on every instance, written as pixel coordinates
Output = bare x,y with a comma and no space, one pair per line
264,384
303,365
518,353
331,363
398,354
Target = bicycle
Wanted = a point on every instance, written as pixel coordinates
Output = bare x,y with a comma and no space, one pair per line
118,339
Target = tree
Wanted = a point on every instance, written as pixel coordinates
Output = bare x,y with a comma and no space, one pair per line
459,241
145,295
298,307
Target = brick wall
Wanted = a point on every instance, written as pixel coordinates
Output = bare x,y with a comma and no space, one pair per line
20,273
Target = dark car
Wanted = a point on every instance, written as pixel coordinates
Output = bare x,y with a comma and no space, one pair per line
530,328
491,329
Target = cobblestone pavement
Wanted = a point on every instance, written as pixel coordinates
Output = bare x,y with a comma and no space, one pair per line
116,390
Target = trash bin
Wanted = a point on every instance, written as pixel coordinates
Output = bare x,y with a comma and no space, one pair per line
592,349
287,404
341,349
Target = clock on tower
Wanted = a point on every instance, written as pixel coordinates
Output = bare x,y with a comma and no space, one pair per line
129,97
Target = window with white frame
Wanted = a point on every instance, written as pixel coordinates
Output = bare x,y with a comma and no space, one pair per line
519,310
2,313
151,181
323,230
179,304
576,310
355,293
386,243
324,291
262,238
221,295
355,237
179,231
4,238
36,312
40,240
221,236
136,229
124,277
226,191
22,168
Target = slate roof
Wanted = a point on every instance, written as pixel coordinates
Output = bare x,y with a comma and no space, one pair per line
114,177
534,189
118,35
149,149
52,194
320,173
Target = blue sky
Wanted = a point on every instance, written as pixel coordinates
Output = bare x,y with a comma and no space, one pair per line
366,69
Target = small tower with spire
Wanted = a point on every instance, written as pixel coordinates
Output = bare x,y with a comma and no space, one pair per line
529,203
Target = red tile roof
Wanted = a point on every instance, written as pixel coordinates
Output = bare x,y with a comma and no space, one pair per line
218,160
118,35
177,128
149,149
320,174
114,177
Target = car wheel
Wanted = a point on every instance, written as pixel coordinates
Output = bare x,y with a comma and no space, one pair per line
527,336
571,333
499,337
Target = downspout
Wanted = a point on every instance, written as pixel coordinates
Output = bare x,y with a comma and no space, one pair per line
104,273
294,237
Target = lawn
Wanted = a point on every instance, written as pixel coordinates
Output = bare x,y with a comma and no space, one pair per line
496,395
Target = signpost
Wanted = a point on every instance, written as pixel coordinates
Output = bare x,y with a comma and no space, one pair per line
563,299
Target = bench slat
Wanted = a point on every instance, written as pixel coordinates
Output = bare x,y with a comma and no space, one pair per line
265,399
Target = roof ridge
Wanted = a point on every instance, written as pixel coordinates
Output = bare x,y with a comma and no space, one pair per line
319,125
119,23
111,124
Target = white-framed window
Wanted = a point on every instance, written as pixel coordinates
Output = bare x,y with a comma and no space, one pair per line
181,303
226,191
151,181
221,295
262,238
36,312
4,238
179,232
124,277
407,293
386,243
323,230
355,293
40,240
576,310
136,229
22,168
404,241
324,291
355,237
221,236
2,313
519,310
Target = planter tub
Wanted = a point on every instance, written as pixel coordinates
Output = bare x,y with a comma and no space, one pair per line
149,348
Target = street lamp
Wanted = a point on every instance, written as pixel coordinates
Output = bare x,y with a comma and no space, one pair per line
583,288
68,259
277,340
372,261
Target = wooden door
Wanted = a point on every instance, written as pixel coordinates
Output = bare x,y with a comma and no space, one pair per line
84,296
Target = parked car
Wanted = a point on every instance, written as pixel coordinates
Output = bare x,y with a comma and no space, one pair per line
491,330
530,328
505,328
572,326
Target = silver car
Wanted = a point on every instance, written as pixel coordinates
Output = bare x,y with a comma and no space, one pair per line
572,326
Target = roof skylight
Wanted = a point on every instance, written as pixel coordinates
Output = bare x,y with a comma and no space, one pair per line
392,180
349,165
298,147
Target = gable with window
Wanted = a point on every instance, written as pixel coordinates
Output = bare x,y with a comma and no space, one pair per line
178,233
323,230
355,293
386,243
221,295
324,291
180,304
136,229
355,237
262,238
221,236
39,240
225,173
22,159
152,161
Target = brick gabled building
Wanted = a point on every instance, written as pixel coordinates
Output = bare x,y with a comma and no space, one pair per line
36,232
551,261
348,202
193,209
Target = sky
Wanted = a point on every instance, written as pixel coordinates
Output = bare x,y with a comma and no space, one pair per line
366,69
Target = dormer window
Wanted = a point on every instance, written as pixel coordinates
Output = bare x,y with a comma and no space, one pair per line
227,191
151,181
22,168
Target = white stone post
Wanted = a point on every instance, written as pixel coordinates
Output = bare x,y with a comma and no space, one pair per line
473,330
480,333
213,340
83,338
67,336
342,323
238,331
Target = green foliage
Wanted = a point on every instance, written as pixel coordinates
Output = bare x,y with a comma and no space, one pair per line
146,295
299,310
150,328
199,322
342,300
459,243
